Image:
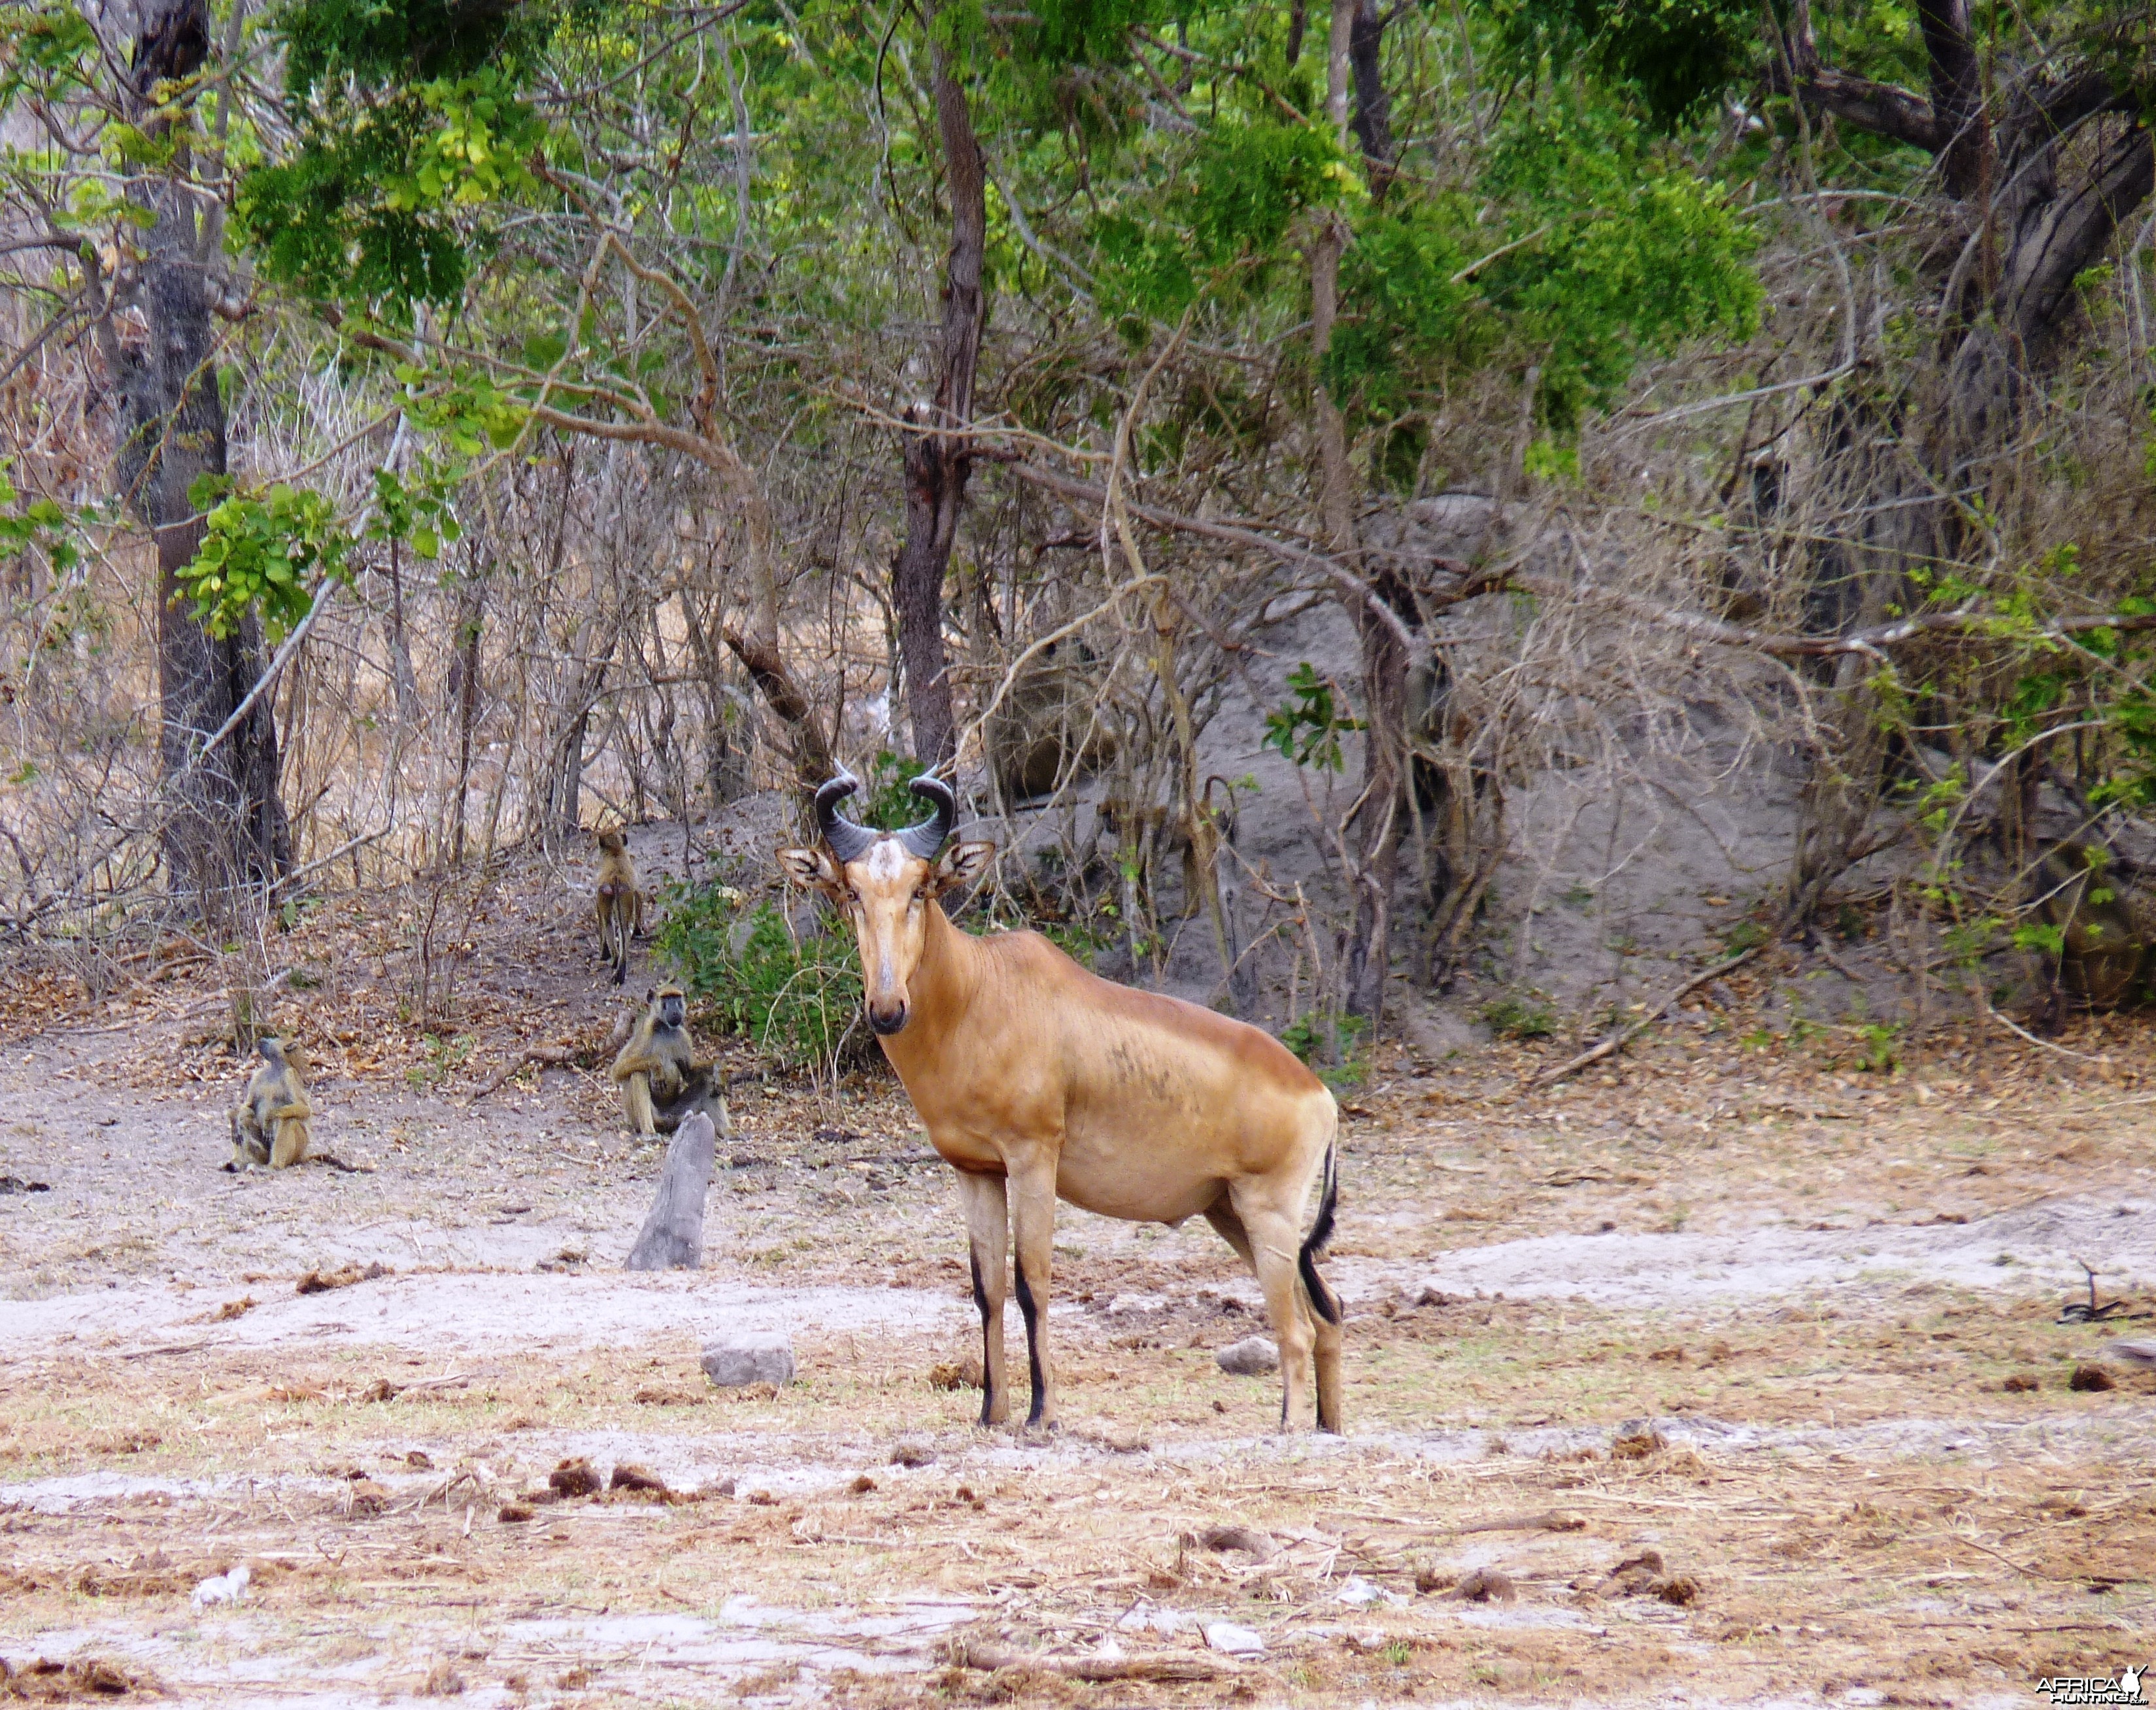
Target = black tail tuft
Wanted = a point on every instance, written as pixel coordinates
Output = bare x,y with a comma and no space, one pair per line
1320,1297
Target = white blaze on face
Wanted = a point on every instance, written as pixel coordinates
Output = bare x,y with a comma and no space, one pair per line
886,860
886,865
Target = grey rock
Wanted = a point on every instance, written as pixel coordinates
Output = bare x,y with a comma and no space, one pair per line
672,1237
1232,1640
2136,1353
731,1361
1252,1357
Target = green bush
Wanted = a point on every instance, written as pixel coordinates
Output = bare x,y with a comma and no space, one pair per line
1519,1016
749,976
1329,1044
886,801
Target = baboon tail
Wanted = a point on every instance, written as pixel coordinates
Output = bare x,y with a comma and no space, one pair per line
1321,1232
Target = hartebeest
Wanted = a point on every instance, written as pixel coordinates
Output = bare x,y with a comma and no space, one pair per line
1037,1079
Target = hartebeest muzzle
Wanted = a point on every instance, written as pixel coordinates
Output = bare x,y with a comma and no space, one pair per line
887,1016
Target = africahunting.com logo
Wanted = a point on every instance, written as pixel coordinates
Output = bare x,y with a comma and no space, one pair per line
2095,1689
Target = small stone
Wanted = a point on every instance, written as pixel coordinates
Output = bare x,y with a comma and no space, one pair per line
1244,1539
955,1374
734,1362
224,1588
1252,1357
1123,1303
1232,1640
2136,1353
1484,1585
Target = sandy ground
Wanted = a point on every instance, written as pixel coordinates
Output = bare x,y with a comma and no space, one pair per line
1729,1375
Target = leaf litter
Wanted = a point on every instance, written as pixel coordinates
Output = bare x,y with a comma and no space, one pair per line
1828,1479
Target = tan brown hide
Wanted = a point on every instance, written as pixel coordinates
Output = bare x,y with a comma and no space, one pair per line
1037,1079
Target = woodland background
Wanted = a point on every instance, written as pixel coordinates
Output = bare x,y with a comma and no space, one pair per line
1478,508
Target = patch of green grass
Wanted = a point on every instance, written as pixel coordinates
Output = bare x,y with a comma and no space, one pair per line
1331,1044
444,1057
1877,1044
795,998
1745,934
1519,1016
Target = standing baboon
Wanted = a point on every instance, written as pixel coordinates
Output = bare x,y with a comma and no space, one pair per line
620,906
661,1082
269,1123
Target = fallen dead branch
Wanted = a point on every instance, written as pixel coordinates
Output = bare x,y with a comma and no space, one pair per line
1551,1520
1617,1041
546,1056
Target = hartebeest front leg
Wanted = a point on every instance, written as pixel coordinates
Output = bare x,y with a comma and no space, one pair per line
988,1234
1033,1209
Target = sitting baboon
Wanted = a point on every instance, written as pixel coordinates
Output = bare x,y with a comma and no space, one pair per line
1047,725
661,1082
269,1123
619,908
2104,932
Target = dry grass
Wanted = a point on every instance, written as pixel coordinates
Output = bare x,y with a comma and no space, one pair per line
1877,1476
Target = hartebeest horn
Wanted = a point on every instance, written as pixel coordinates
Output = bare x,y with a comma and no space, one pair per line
926,839
848,841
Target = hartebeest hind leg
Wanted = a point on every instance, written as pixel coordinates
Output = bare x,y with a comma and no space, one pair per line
988,1234
1274,1241
1326,1329
1325,1333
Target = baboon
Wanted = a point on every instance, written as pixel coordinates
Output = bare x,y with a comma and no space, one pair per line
2105,932
269,1123
620,906
661,1082
1046,725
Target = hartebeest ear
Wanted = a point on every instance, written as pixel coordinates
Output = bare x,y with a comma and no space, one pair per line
812,867
961,864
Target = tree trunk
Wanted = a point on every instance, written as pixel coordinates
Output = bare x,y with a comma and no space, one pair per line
673,1234
1374,110
2005,310
938,460
1374,865
224,824
463,695
405,678
726,777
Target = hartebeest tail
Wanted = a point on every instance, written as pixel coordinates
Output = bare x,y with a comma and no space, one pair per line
1321,1301
1037,1081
